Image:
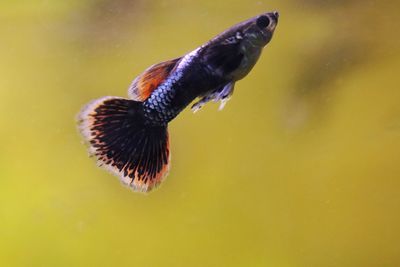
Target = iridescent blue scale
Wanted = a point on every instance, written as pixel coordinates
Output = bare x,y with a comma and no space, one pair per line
158,107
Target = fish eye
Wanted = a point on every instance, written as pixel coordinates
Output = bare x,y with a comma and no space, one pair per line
263,22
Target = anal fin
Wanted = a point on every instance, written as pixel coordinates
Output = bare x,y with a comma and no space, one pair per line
222,94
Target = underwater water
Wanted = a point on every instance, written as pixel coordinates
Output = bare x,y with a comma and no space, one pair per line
301,168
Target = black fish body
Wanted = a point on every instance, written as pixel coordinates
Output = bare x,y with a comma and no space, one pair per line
130,138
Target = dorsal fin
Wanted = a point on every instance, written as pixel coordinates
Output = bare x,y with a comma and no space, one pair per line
142,87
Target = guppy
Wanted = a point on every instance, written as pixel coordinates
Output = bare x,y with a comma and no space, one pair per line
129,137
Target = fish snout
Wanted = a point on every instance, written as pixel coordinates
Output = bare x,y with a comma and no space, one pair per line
275,15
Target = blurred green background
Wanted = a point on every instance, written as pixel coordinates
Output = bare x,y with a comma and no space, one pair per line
300,169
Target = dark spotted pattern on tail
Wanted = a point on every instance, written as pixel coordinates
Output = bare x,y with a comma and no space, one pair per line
124,143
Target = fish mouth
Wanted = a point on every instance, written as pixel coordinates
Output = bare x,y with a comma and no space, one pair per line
275,15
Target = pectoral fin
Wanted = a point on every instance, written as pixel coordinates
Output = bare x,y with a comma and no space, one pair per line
224,58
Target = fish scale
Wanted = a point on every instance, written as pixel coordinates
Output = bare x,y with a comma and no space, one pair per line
158,106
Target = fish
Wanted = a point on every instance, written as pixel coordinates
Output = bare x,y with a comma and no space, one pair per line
129,136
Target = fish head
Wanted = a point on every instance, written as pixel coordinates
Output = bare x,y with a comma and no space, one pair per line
258,31
233,53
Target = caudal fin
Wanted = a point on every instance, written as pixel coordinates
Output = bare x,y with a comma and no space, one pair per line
119,137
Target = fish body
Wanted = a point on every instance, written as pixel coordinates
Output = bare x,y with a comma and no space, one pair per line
129,136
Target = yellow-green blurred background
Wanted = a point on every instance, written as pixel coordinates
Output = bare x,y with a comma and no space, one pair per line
302,167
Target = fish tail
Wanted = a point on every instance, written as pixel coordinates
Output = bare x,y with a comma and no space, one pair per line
124,142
